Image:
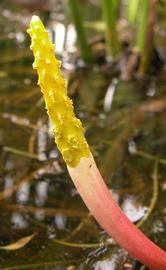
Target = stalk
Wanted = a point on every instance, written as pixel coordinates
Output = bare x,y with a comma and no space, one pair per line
147,51
116,3
132,10
82,42
100,202
109,9
142,24
69,136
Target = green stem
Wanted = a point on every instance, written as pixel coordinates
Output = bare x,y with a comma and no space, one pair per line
19,152
78,245
76,15
147,50
132,10
142,24
110,16
154,195
116,3
149,156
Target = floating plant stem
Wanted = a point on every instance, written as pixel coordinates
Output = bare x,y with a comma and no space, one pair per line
82,41
19,152
110,16
146,155
69,137
78,245
154,197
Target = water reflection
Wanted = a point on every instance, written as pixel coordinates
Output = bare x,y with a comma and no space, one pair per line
132,209
108,99
23,193
41,193
71,38
59,41
105,265
60,221
42,141
8,182
64,38
18,221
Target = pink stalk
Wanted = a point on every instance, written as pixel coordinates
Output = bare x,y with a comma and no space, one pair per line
100,202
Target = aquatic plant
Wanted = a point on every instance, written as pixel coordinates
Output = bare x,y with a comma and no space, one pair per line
142,24
109,9
132,10
82,41
69,136
148,23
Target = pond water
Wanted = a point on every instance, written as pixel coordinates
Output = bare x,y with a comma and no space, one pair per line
125,125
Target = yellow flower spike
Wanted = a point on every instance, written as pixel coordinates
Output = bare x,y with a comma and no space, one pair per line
67,129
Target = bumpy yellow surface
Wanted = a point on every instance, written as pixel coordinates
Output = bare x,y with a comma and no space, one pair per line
67,129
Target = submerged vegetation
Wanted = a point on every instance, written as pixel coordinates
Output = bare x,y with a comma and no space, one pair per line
118,90
141,16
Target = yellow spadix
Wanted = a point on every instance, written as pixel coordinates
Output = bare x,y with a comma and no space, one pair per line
67,129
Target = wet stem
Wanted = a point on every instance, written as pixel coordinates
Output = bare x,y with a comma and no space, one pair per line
109,9
82,41
148,40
